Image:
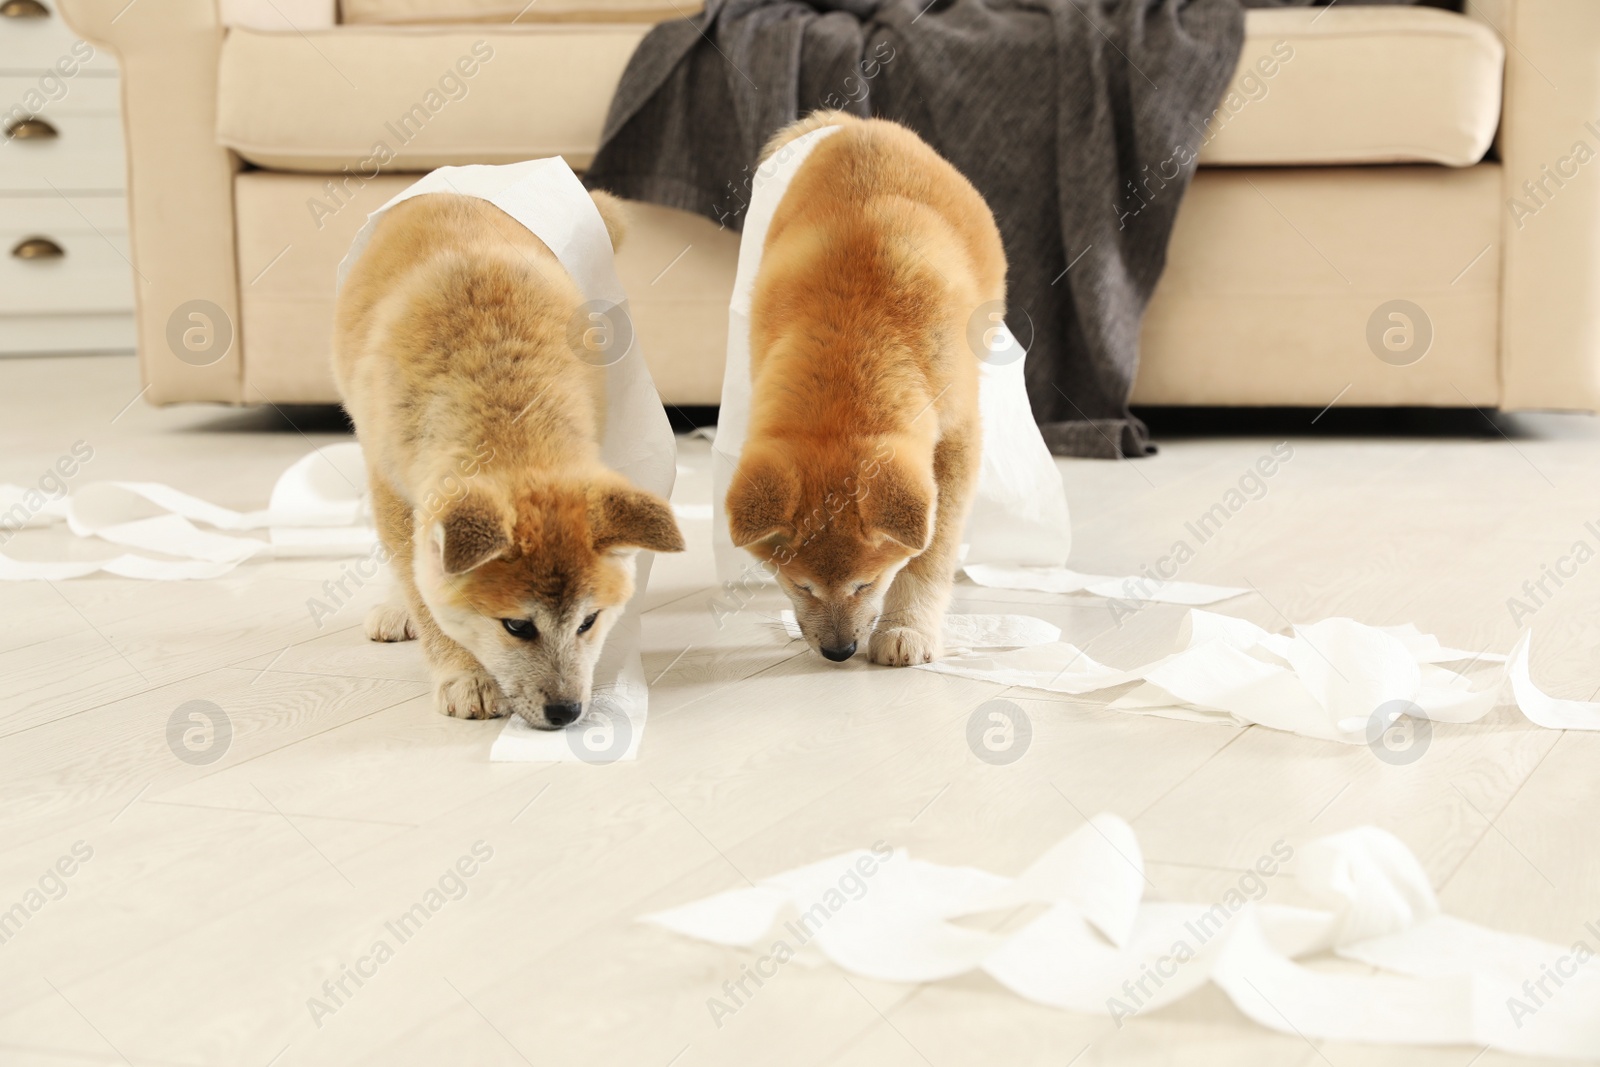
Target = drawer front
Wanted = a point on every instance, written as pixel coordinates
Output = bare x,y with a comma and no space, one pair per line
38,44
91,275
84,154
50,94
53,214
32,335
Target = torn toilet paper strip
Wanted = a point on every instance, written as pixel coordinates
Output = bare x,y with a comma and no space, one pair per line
611,729
962,632
1134,587
1019,510
1546,711
1098,944
1336,679
317,508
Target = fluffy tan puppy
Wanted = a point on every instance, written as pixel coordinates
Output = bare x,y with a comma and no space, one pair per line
512,545
863,449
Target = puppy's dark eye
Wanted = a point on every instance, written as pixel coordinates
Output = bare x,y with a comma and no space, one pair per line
521,628
587,623
861,587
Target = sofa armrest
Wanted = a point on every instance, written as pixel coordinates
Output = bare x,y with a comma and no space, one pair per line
1550,151
180,192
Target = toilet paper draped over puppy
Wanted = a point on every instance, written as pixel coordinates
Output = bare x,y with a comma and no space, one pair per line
547,198
1019,512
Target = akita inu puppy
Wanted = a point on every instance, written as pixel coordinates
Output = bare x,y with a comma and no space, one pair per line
863,448
512,544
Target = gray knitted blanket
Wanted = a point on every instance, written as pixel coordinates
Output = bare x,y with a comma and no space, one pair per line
1078,121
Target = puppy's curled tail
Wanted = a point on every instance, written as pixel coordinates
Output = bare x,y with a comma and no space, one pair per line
814,121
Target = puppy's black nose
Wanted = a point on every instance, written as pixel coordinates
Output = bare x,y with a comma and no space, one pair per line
562,714
839,655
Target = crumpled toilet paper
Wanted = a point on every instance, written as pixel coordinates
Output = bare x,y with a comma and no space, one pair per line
546,197
318,508
964,632
1019,512
1333,679
1099,947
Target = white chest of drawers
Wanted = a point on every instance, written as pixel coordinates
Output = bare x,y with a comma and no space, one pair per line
66,280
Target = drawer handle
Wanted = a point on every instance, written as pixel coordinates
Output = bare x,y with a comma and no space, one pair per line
38,248
24,9
29,128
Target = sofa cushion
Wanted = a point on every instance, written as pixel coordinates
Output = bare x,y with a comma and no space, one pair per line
416,12
1359,85
1328,85
371,99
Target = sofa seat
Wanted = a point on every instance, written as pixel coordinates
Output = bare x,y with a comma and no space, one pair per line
1314,86
1280,310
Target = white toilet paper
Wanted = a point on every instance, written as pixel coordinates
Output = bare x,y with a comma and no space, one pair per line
1101,948
318,508
1331,679
1064,580
963,632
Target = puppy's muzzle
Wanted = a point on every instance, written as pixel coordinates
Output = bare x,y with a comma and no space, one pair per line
839,655
560,715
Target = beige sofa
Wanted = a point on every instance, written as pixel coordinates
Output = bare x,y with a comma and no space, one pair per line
1345,171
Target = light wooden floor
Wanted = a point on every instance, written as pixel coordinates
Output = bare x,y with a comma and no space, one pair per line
219,898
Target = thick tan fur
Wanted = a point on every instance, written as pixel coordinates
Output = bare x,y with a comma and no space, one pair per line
481,428
864,440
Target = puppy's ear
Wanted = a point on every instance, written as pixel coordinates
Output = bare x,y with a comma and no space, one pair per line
469,533
621,516
613,213
762,499
898,503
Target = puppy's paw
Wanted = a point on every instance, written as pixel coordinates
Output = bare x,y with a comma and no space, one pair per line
390,622
901,646
469,695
